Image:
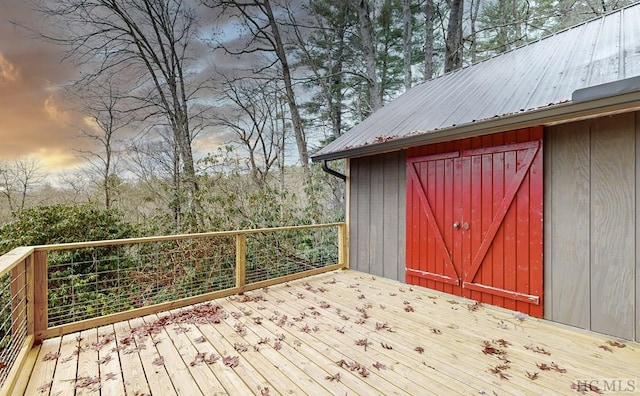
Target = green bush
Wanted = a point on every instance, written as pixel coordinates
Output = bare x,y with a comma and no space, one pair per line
43,225
78,278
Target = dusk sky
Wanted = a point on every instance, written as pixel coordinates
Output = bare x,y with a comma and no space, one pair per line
34,119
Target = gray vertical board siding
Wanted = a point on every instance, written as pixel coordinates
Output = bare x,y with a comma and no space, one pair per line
376,216
567,224
637,258
547,243
401,227
613,225
359,226
377,219
394,215
591,225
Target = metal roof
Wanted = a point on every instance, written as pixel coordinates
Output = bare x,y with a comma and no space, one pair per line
530,85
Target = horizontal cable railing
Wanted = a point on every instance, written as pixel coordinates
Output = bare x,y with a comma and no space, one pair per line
16,318
91,282
51,290
13,318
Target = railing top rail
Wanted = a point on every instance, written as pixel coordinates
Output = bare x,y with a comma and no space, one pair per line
11,259
129,241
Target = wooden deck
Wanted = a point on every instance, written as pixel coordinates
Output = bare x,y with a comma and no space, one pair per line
337,333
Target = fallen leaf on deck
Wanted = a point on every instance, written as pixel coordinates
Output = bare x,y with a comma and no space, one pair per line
44,388
51,356
231,361
85,382
379,365
606,348
335,377
159,361
616,344
110,376
105,359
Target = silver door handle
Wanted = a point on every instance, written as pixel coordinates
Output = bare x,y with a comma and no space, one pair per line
456,225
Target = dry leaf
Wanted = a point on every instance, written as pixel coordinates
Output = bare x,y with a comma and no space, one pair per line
379,365
105,359
44,388
532,376
606,348
51,356
335,377
537,349
86,382
159,361
212,359
110,376
363,342
616,344
231,361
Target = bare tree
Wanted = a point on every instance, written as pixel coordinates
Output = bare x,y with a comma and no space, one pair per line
473,18
157,166
369,53
429,18
453,42
406,32
105,121
254,119
18,179
151,41
264,35
74,188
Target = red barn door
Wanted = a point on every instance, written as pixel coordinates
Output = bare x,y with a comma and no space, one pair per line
474,224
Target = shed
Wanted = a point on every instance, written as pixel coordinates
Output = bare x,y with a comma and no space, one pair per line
514,181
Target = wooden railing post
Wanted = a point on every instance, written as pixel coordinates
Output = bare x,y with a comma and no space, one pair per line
241,259
40,298
343,252
29,273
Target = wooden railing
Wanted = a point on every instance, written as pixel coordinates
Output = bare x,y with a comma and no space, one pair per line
52,290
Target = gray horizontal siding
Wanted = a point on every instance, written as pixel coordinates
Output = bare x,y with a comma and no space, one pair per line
377,215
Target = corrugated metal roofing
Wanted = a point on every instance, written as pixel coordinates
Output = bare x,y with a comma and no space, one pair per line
541,74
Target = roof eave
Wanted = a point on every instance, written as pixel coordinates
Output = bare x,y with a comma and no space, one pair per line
552,114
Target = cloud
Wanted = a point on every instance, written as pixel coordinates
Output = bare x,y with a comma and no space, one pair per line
36,121
55,160
54,112
8,72
209,143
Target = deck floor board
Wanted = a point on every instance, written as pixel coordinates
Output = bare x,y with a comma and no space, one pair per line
308,337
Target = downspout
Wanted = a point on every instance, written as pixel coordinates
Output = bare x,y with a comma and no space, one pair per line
343,233
332,172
